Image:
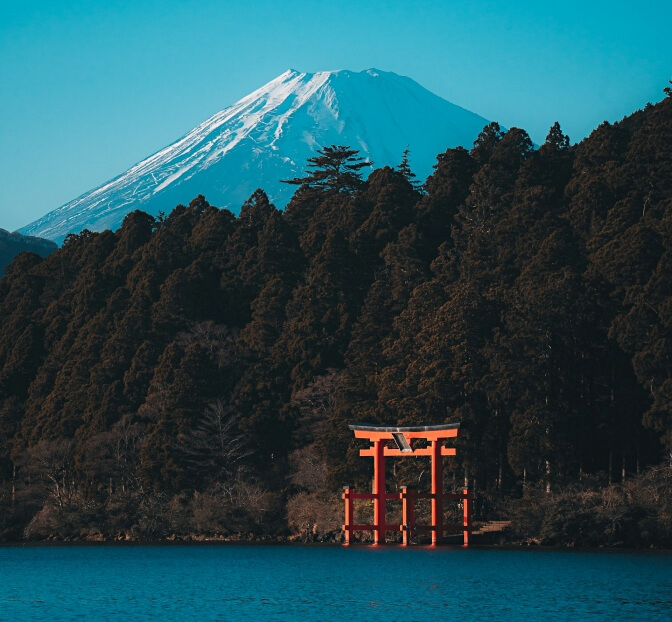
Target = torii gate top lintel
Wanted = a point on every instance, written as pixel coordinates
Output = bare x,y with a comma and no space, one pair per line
374,427
402,436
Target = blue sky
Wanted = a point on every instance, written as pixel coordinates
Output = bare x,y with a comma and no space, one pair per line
90,88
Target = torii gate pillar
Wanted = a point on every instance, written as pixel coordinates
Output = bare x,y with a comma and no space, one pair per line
379,491
437,492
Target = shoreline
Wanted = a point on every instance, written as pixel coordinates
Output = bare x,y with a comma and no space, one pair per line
286,542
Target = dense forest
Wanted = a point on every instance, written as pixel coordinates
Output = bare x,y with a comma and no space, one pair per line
195,373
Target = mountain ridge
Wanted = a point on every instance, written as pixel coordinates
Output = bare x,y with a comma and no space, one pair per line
267,136
11,244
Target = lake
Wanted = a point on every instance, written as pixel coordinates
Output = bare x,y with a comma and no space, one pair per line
321,582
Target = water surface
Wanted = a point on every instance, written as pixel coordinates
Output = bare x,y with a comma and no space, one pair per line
232,582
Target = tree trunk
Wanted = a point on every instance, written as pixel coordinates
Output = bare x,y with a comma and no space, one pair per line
500,475
13,487
548,476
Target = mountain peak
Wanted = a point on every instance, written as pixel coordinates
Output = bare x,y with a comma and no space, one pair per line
267,136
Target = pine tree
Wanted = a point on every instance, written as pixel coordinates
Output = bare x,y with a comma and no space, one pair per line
447,189
405,169
485,143
336,168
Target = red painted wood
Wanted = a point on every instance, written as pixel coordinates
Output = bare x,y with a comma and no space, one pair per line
466,506
408,514
378,450
437,492
379,492
349,513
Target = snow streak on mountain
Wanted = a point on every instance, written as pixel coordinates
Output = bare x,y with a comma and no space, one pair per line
268,136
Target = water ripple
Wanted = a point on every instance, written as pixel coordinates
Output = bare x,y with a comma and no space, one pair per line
229,582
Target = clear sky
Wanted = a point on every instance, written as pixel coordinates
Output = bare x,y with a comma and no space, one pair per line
89,88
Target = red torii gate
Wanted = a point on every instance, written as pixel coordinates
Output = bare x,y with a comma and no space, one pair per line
403,438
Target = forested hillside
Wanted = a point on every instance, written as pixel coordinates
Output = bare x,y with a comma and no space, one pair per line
196,373
11,244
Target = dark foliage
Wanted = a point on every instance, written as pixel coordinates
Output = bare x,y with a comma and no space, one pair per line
197,373
336,168
11,244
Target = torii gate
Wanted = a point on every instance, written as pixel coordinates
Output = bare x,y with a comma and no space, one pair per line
403,438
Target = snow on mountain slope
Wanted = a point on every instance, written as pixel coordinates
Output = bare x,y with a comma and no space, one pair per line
268,136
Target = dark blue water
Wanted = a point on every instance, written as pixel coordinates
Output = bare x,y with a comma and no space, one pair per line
227,582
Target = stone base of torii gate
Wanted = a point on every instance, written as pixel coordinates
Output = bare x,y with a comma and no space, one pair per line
404,441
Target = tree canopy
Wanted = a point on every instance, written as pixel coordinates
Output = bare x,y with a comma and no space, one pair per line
337,168
195,372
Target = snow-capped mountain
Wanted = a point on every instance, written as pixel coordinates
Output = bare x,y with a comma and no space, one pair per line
268,136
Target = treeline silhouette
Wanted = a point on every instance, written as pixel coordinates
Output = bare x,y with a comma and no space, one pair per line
11,244
196,372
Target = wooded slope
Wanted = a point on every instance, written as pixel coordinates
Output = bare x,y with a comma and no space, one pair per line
206,365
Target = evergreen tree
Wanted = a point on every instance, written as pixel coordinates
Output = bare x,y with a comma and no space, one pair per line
336,168
447,189
485,143
404,168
